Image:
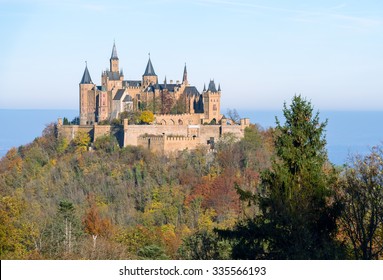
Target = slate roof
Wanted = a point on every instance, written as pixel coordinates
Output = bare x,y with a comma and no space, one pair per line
114,52
86,79
211,86
149,71
191,90
119,94
113,76
132,83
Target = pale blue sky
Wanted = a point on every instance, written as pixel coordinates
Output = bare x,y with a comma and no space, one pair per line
262,52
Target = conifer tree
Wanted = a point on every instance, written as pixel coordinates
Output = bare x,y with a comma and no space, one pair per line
296,220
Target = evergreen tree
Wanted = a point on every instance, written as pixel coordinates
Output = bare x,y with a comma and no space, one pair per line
296,221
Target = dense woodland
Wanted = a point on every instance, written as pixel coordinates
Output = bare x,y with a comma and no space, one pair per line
271,195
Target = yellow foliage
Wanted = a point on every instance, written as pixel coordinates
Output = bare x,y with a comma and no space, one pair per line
205,221
147,117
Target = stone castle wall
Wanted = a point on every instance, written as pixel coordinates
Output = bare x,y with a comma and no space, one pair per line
166,144
181,119
164,138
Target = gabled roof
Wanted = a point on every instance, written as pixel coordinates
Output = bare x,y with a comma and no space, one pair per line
149,71
86,79
191,90
114,52
119,94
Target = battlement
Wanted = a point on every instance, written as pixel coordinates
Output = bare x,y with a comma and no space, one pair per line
217,93
175,115
180,138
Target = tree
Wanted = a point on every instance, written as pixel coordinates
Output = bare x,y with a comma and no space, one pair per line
94,224
297,221
361,192
147,117
233,116
108,143
81,141
166,102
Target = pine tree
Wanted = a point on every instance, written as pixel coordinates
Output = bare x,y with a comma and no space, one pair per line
296,221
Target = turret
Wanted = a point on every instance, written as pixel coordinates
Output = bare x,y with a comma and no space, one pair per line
114,61
87,98
185,77
149,76
212,102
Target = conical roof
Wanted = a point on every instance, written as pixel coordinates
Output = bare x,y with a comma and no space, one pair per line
86,79
114,52
185,76
149,71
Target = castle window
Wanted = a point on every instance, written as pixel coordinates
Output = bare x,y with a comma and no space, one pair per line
214,107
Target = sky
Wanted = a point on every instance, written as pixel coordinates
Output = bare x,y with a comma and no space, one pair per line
261,52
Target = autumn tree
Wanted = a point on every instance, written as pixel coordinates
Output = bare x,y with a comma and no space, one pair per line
166,102
146,117
361,193
81,141
94,224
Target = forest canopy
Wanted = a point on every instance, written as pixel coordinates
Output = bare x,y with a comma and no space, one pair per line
270,195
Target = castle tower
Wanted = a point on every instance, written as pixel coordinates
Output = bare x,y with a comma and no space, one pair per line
114,61
111,80
149,76
212,102
87,99
185,77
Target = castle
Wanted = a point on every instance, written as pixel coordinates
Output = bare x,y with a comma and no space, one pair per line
183,117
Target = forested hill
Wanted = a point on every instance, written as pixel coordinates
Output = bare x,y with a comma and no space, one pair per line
61,201
271,195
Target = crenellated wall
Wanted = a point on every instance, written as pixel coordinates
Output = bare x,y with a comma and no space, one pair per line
180,119
165,138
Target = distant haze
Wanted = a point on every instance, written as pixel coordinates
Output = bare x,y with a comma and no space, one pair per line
261,52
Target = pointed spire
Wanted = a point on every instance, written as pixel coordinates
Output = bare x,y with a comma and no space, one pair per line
86,79
149,71
204,87
122,72
185,76
114,52
219,87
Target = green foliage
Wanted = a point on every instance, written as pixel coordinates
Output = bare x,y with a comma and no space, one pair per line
205,245
297,222
133,117
152,252
107,143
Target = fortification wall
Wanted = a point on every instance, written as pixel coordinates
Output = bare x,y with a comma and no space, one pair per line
153,143
70,131
101,130
233,129
132,132
181,119
180,143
